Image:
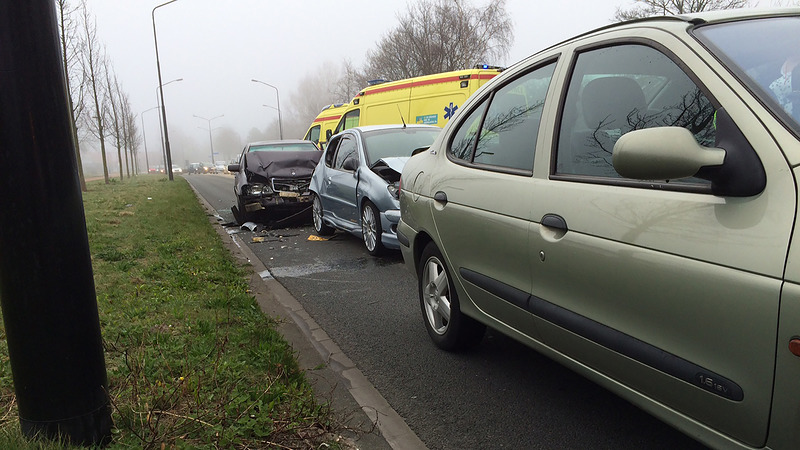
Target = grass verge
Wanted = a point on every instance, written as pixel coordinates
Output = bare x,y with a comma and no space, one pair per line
191,360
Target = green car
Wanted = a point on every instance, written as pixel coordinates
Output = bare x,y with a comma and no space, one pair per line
625,203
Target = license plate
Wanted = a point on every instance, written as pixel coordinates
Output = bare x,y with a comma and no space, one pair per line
289,194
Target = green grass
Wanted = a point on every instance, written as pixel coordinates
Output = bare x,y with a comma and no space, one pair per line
191,360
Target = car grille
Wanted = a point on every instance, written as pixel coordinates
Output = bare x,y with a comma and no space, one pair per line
298,185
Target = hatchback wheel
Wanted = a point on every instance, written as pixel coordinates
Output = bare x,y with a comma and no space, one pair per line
371,230
316,211
447,326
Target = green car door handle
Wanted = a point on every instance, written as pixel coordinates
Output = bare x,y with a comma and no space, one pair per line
554,221
440,197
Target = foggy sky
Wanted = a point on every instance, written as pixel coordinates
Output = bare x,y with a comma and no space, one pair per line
218,47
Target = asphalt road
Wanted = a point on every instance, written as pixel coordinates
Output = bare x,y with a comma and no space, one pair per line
501,395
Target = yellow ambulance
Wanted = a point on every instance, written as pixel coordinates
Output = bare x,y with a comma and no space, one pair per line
325,121
429,99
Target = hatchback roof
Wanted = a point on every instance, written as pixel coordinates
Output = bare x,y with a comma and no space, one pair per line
278,142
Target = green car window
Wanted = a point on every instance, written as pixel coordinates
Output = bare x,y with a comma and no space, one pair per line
615,90
463,142
511,126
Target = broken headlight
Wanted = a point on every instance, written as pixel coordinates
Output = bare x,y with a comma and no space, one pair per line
394,190
257,189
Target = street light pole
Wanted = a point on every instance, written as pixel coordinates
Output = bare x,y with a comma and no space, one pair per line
161,127
168,162
278,95
276,109
144,138
48,298
210,141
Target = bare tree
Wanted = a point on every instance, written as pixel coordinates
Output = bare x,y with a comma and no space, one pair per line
348,85
92,63
313,92
780,3
130,134
442,35
647,8
115,109
124,111
73,76
228,142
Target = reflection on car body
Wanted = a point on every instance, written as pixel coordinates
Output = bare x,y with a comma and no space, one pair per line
624,202
355,189
273,176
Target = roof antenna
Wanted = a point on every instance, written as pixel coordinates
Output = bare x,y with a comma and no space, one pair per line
401,115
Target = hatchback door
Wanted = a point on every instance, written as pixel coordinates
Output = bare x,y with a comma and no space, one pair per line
660,286
339,192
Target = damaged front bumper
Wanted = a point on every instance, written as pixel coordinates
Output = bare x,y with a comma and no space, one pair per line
389,221
278,194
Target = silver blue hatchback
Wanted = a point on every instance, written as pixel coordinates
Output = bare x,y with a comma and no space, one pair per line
355,188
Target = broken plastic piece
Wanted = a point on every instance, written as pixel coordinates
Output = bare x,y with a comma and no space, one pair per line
250,226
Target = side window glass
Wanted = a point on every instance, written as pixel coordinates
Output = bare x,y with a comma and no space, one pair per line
242,159
615,90
331,152
347,149
464,139
509,132
313,134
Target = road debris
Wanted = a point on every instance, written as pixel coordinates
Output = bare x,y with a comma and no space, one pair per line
252,226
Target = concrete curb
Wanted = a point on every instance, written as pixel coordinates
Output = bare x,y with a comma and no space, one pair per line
313,345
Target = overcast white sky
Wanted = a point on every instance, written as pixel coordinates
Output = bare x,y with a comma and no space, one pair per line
217,47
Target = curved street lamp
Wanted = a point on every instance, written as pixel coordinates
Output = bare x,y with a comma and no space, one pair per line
278,95
168,162
162,127
210,141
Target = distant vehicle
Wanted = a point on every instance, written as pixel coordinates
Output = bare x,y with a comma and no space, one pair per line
325,122
176,169
220,167
425,100
195,168
355,189
626,203
273,176
208,168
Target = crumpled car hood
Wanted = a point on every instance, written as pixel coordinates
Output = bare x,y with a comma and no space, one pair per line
390,168
395,163
282,164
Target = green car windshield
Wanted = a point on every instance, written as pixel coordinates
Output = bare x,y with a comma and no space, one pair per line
763,54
